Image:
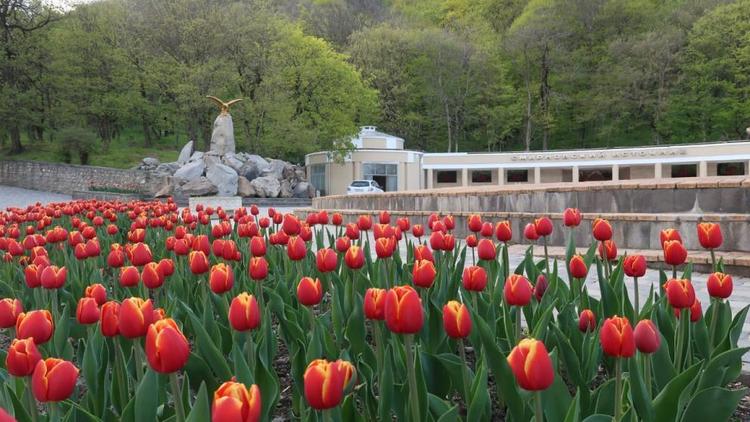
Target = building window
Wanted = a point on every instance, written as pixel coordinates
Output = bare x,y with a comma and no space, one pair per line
594,175
481,176
318,177
517,176
448,176
385,174
684,170
730,169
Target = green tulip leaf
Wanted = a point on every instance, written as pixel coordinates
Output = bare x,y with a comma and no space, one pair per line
201,410
713,404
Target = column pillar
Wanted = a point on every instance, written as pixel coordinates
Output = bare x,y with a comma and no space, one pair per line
537,175
657,171
501,176
702,169
615,172
430,179
464,177
575,174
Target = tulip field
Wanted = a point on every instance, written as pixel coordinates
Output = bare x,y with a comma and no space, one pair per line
144,311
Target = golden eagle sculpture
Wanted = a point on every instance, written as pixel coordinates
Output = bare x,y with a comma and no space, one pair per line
223,106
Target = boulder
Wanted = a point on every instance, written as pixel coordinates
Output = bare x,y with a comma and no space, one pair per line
224,178
167,189
199,187
167,169
197,155
190,171
275,168
211,158
304,190
150,162
244,187
250,170
185,153
232,161
266,186
289,172
286,189
222,136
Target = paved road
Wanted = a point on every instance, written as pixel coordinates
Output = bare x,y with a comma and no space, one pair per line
17,197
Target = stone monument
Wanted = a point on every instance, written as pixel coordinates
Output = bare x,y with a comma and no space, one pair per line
222,136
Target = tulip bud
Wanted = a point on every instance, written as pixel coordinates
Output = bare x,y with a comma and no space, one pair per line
152,276
616,337
437,241
680,293
53,380
136,315
471,241
719,285
423,273
10,309
486,250
601,229
449,242
35,324
385,246
32,274
634,265
674,252
543,226
257,246
354,257
540,287
309,291
423,252
198,262
456,320
258,268
110,319
571,217
529,232
531,365
167,349
474,278
98,292
577,267
221,278
325,382
586,321
234,402
474,223
291,225
244,314
417,230
22,357
326,260
403,310
669,234
709,235
364,222
647,337
140,254
608,250
517,290
166,267
87,311
375,304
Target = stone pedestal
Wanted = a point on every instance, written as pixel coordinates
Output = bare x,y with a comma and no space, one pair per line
222,137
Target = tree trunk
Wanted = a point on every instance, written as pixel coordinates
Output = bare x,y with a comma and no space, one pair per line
15,140
544,97
527,77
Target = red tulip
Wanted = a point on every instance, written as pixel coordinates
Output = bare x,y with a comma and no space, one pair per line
244,314
167,349
634,265
258,268
669,234
423,252
129,276
529,232
647,337
540,287
616,337
152,277
403,310
166,267
608,250
517,290
325,382
486,250
474,278
709,235
543,226
352,231
531,365
257,246
674,252
385,246
309,291
577,267
110,319
32,274
423,273
136,315
571,217
22,357
140,254
354,257
98,292
291,225
53,277
586,321
53,380
87,311
456,320
437,240
198,262
474,223
601,229
296,248
680,293
364,222
417,231
449,242
235,402
342,244
35,324
375,304
10,309
719,285
326,260
471,241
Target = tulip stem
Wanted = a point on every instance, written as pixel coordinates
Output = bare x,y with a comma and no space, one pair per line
635,294
410,364
518,323
465,370
327,416
681,334
618,390
250,350
714,317
33,411
538,413
179,410
674,271
52,411
546,256
647,372
713,260
138,354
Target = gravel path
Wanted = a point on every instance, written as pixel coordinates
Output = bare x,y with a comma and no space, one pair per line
18,197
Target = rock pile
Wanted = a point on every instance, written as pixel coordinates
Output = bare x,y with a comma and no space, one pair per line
248,175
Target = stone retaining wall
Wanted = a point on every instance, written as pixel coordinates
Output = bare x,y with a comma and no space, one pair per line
67,178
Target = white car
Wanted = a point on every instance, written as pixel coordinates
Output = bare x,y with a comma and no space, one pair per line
363,186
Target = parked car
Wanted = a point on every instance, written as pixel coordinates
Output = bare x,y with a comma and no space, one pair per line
363,186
